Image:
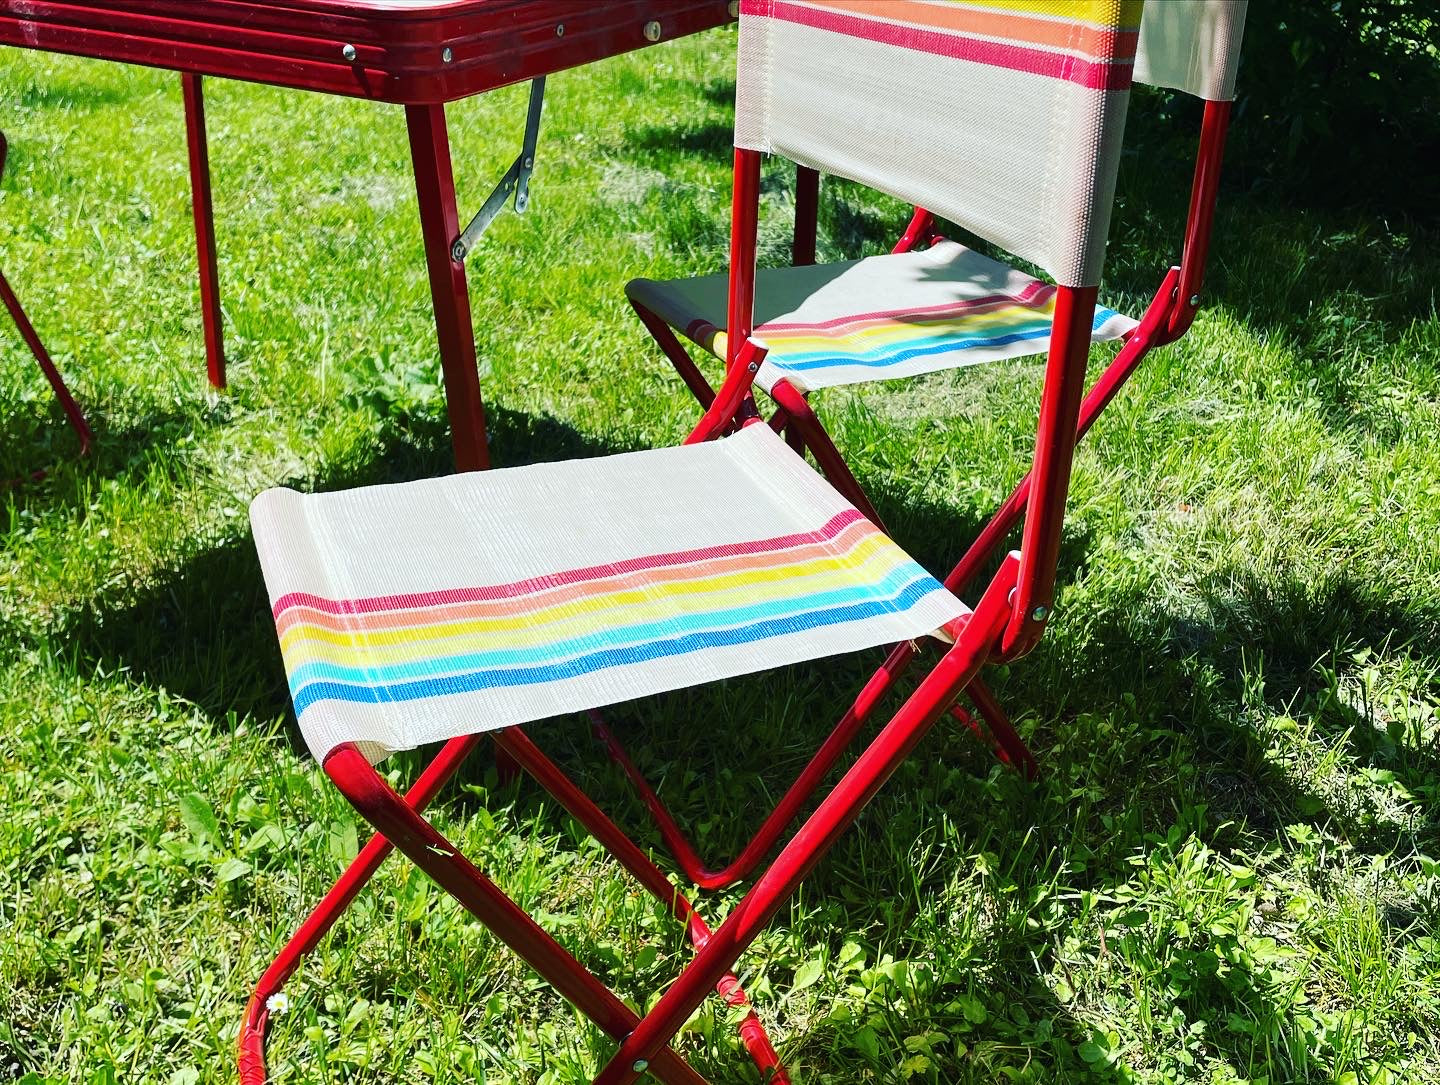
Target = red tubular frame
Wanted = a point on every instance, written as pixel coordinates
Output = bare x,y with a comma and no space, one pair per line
919,231
1054,452
835,814
73,414
202,206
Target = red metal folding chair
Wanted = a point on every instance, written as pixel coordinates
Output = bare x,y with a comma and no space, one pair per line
933,304
444,609
42,356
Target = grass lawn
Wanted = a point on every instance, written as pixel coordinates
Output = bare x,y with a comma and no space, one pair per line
1229,872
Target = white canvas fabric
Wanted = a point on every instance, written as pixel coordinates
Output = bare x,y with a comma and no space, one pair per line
883,317
1003,116
422,611
1191,45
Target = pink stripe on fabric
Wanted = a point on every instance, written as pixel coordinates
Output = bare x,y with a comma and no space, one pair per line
844,541
832,528
1029,296
1093,75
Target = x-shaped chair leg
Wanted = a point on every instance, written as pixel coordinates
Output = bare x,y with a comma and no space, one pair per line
643,1041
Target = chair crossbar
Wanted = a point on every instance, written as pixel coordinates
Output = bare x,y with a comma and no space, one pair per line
1007,744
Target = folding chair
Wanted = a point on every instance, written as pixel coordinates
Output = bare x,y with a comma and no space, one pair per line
450,608
42,356
933,304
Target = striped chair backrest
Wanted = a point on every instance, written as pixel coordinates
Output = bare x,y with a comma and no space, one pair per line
1191,45
1004,116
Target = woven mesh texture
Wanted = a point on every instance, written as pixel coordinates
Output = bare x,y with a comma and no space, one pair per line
418,612
1191,45
1004,116
879,318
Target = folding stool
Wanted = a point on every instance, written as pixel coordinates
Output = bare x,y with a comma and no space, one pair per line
448,608
42,356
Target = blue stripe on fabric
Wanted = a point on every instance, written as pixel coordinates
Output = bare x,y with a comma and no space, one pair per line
888,587
878,358
610,657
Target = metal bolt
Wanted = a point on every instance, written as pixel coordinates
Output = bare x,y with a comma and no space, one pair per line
734,9
446,55
652,30
640,1065
348,51
458,251
522,201
529,162
1194,301
559,30
1039,614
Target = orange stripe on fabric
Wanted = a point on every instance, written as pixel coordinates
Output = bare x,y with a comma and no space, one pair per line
1092,41
844,542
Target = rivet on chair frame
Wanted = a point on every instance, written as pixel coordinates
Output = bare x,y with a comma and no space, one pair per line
652,30
1039,614
348,51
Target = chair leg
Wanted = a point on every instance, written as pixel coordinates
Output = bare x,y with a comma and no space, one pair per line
73,414
997,732
790,804
408,831
449,295
1009,740
201,205
679,357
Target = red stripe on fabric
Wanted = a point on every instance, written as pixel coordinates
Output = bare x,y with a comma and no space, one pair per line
1093,75
551,580
1028,297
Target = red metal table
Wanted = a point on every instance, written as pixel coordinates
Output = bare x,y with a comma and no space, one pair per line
416,53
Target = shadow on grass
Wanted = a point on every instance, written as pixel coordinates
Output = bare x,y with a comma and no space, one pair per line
1165,726
45,442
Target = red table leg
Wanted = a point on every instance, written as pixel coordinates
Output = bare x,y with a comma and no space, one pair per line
204,226
440,226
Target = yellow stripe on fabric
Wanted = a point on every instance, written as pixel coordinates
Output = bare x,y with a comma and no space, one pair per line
900,330
636,601
362,650
1119,14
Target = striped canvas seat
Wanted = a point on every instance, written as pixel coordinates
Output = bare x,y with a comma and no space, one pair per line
427,610
875,319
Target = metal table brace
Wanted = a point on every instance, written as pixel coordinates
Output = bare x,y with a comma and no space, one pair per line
516,179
